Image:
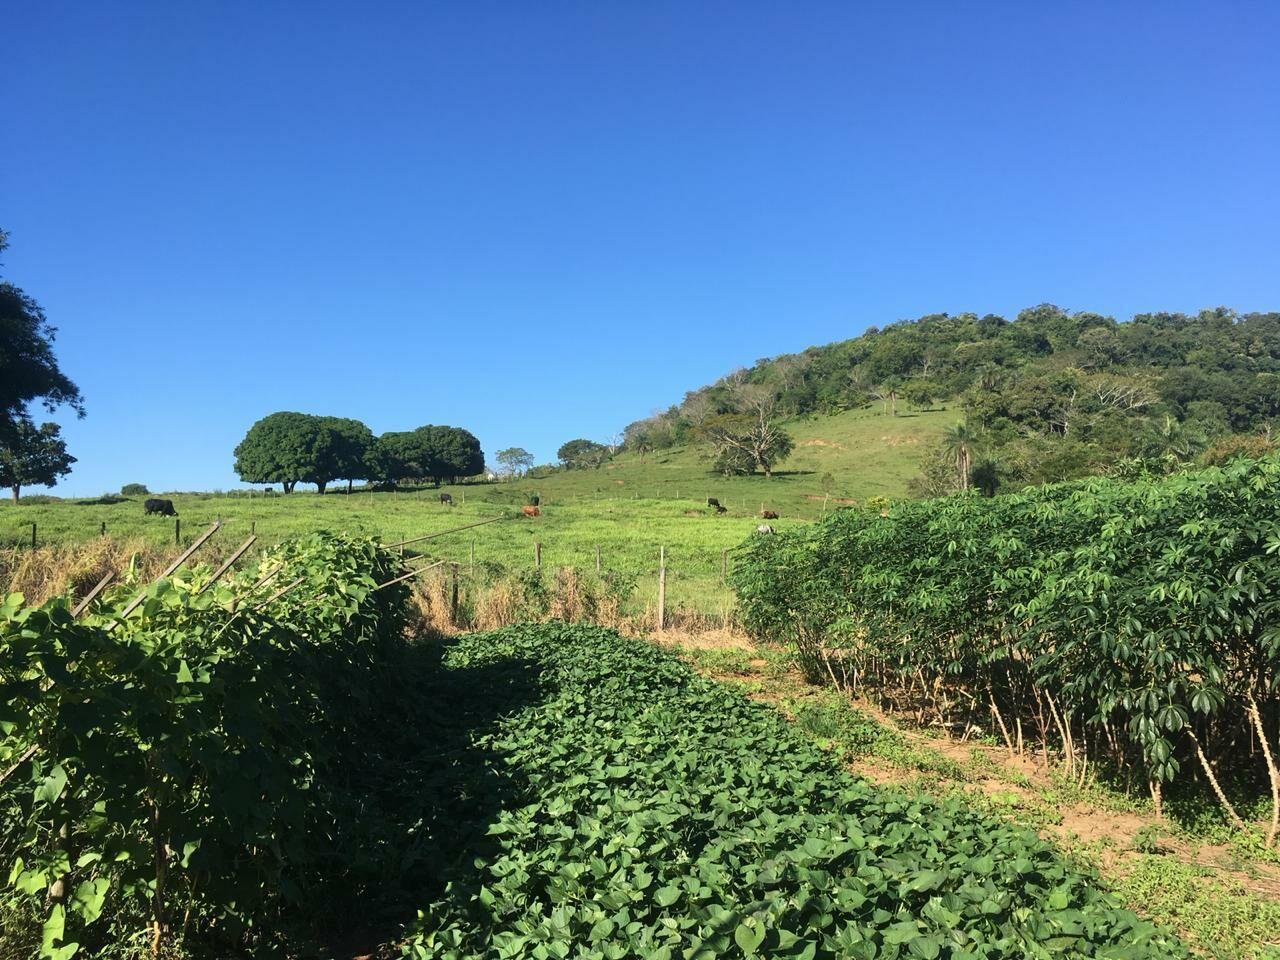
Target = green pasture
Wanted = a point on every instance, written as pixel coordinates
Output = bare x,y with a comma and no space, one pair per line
630,508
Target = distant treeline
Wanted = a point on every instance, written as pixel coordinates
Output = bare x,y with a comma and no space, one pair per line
1051,394
286,448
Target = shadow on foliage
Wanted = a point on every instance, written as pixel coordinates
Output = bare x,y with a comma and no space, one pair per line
418,799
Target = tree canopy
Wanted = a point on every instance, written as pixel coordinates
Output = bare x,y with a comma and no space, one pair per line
580,454
428,453
33,455
515,460
1053,394
289,447
29,371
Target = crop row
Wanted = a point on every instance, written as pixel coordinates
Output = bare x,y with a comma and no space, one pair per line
1132,622
172,767
648,812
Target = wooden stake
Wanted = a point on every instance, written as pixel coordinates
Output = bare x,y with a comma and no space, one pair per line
453,593
281,592
92,595
432,536
597,558
662,589
472,569
537,554
411,573
186,554
724,564
227,565
33,534
168,571
177,531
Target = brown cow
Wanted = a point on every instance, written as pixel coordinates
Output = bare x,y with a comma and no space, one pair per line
530,511
768,515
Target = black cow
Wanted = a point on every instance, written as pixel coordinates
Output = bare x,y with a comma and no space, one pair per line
713,502
446,498
162,507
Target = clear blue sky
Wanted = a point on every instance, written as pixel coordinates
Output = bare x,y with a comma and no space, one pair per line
544,220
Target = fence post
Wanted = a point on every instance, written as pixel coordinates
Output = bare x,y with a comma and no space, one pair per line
453,593
724,564
33,534
537,554
177,531
253,528
103,531
662,589
473,557
597,558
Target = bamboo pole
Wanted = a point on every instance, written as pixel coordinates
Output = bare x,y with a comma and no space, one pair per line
432,536
279,593
217,574
411,573
169,570
92,595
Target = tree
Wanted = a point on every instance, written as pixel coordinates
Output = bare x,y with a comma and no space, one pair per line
960,442
28,369
452,453
134,490
985,475
515,460
754,431
400,455
427,453
287,447
580,454
33,455
346,452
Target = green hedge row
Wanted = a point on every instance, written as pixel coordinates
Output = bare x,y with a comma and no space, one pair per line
1120,618
183,755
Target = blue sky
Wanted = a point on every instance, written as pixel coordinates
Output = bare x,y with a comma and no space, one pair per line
544,220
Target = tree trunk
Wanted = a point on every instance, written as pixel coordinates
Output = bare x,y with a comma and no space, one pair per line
348,486
288,485
320,485
17,487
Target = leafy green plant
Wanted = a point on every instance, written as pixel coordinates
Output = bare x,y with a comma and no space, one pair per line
166,765
1131,622
654,813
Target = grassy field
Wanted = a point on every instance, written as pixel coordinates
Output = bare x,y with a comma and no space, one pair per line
630,509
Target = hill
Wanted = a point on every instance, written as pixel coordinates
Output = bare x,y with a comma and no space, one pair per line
1050,395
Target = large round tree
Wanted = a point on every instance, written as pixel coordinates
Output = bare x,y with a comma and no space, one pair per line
29,371
285,448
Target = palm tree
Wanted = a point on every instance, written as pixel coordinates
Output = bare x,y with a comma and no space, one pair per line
960,443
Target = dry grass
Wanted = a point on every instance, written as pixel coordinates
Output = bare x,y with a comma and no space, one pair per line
490,602
49,571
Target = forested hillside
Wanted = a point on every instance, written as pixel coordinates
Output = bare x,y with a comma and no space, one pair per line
1048,395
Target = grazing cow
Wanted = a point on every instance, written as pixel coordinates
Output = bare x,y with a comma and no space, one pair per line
764,528
162,507
768,515
446,498
713,502
534,501
530,511
269,492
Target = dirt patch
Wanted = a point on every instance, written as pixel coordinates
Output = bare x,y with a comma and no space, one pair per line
818,442
901,441
720,639
818,496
